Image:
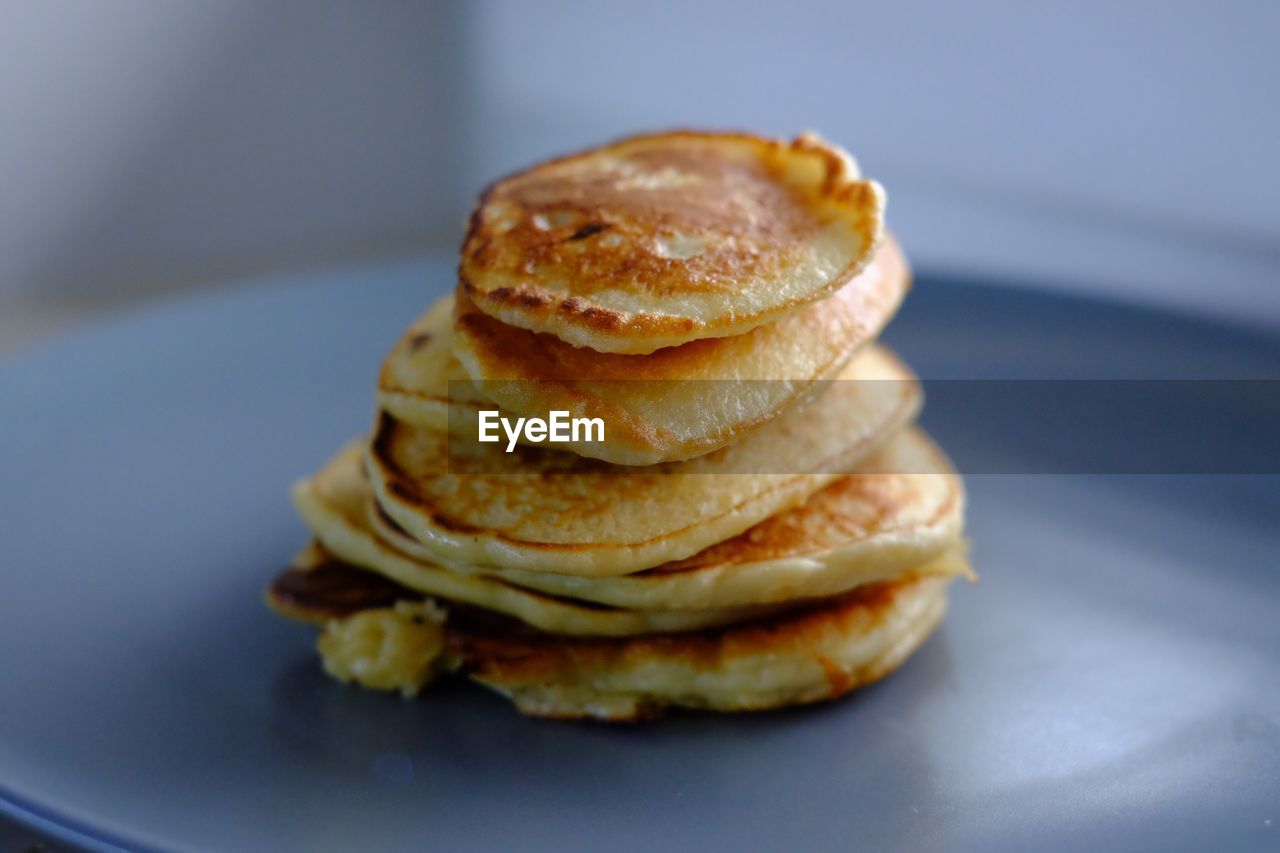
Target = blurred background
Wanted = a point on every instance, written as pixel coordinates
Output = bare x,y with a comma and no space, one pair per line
153,148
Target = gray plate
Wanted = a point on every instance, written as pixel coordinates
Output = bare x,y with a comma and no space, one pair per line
1113,680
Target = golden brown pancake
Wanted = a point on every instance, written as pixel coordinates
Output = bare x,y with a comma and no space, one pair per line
817,652
545,510
659,240
670,405
681,401
791,659
332,504
904,509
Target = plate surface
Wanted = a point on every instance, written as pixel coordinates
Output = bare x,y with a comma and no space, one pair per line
1113,681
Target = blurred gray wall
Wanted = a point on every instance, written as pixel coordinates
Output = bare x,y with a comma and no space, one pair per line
146,142
1118,147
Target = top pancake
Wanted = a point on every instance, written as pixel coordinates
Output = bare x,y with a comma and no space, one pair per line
658,240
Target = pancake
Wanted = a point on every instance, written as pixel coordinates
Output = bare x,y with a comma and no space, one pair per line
332,505
681,401
904,509
815,653
421,383
545,510
671,405
659,240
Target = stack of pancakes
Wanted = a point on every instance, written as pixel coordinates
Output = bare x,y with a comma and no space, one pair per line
760,523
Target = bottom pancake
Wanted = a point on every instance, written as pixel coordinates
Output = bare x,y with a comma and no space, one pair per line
807,656
817,652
